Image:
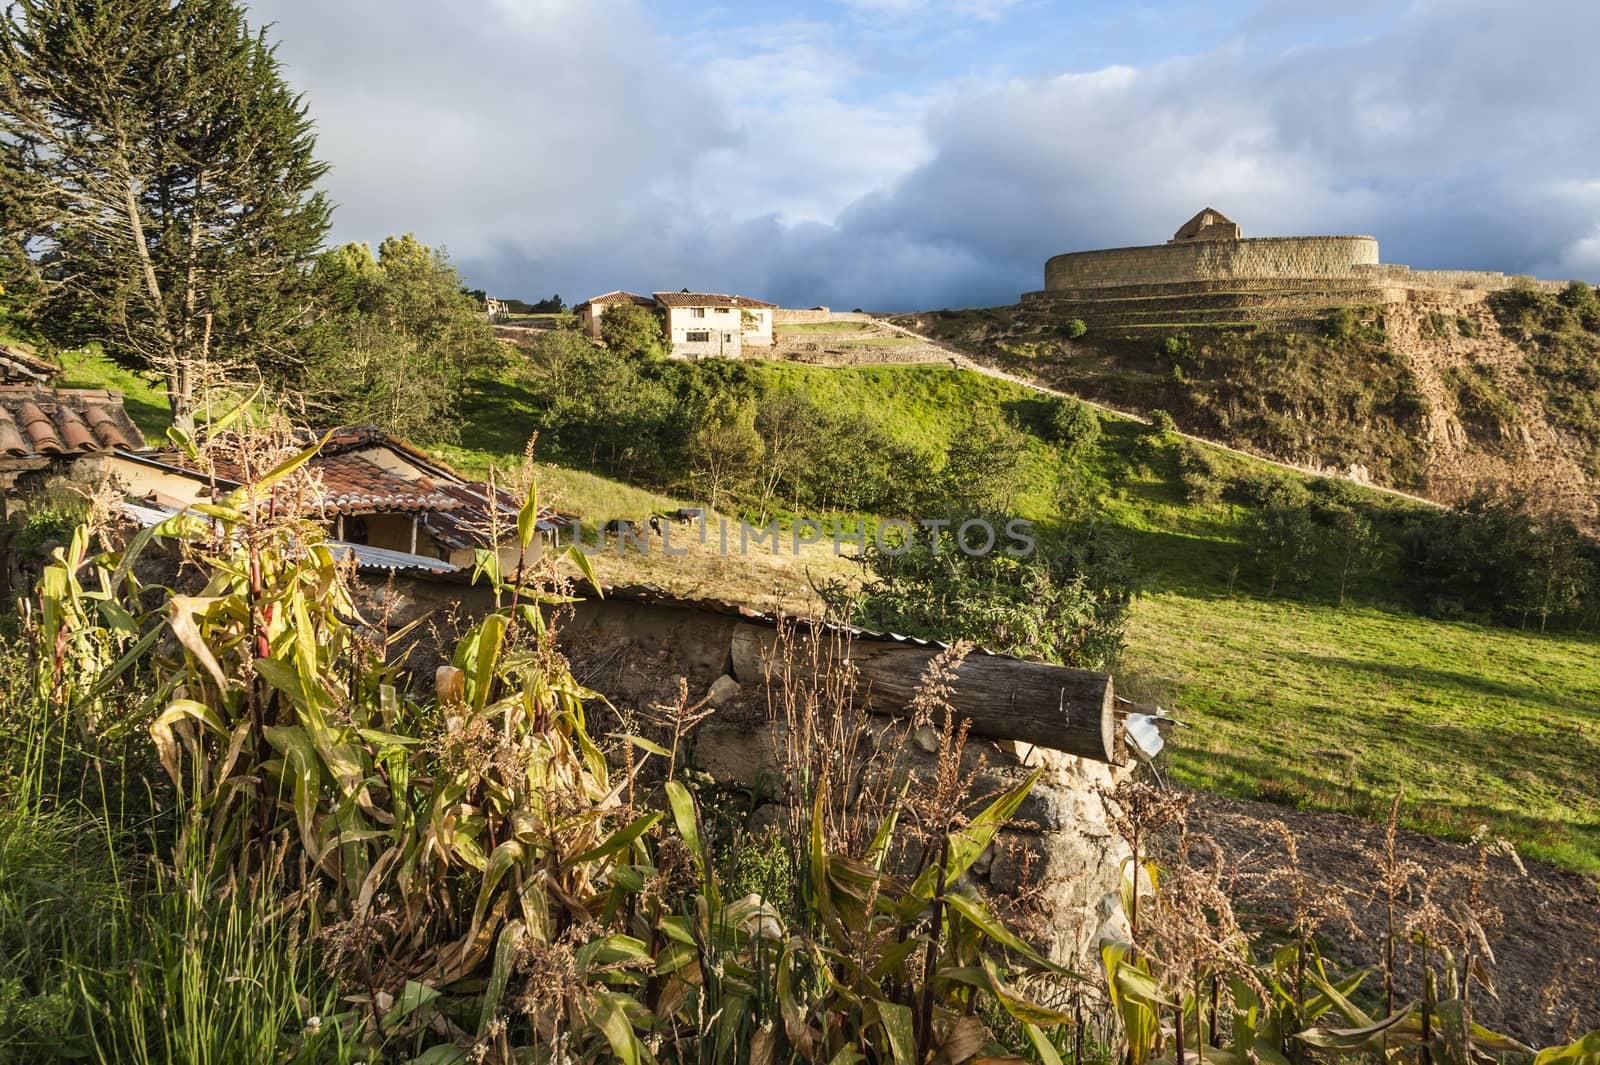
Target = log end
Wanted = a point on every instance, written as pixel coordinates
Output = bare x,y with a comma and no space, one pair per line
1111,728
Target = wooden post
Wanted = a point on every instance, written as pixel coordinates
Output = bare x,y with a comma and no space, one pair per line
1069,710
414,523
338,526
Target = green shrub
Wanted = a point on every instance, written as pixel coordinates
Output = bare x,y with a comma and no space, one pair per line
1073,425
1197,475
1161,423
1066,602
1467,327
1072,328
1340,324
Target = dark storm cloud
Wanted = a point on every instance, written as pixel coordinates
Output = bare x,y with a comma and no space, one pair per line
555,146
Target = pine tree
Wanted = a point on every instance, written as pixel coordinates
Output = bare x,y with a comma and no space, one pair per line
160,180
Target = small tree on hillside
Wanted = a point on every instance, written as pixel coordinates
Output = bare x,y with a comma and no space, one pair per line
1555,574
160,185
1355,544
629,329
787,423
395,340
554,355
981,473
724,449
1283,538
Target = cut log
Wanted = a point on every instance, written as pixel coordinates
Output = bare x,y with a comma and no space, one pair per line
1069,710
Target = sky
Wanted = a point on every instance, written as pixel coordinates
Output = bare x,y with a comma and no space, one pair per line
913,154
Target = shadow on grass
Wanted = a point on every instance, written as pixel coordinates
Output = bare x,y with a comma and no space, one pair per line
1571,843
1463,682
152,416
498,416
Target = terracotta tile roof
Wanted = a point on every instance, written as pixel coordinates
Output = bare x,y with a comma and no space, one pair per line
617,296
710,299
19,368
40,422
352,483
468,524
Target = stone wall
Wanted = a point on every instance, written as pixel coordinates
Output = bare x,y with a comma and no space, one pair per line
1476,280
1265,257
792,316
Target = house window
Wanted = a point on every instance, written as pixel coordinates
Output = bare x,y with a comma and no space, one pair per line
697,336
724,310
698,312
727,338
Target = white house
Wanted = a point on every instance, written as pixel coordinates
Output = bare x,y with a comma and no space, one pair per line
706,323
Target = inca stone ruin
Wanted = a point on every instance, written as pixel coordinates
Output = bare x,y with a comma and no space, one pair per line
1210,275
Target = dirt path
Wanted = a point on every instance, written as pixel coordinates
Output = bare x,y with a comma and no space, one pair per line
1547,951
964,361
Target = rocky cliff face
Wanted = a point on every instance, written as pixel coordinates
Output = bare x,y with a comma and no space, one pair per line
1493,418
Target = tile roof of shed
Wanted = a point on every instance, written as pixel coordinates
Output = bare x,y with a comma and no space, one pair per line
37,422
353,483
710,299
468,524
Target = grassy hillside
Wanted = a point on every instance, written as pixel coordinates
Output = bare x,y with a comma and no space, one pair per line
1312,706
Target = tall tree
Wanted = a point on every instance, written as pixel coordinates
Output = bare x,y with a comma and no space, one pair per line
161,184
394,340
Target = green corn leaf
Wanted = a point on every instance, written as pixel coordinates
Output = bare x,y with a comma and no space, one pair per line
528,519
1022,1009
1366,1035
900,1030
608,1015
133,655
1586,1051
166,742
489,635
586,568
1041,1045
619,839
975,912
181,610
644,744
278,472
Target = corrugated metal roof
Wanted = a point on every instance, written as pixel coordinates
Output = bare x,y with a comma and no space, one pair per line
651,594
367,558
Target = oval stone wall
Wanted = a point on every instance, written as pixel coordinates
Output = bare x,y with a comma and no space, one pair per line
1212,260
